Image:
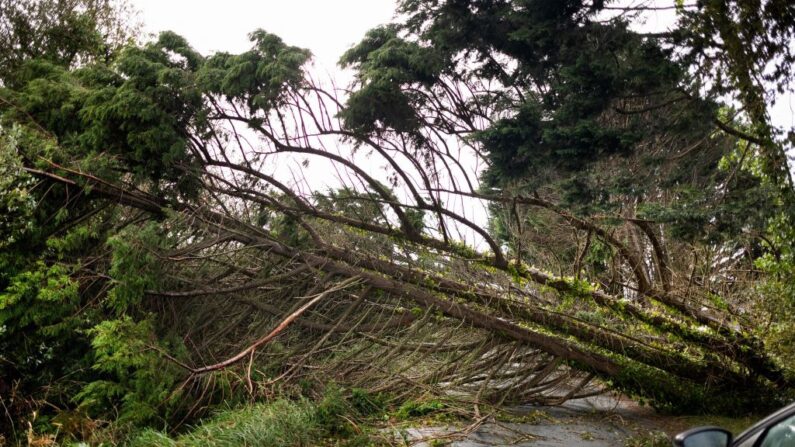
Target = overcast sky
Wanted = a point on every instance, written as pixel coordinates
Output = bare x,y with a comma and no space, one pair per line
326,27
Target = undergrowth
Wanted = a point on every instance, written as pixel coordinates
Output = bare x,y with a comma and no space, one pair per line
336,419
277,423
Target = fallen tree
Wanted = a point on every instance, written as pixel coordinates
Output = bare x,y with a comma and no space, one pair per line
188,225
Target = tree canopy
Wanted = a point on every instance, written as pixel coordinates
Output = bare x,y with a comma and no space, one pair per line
167,242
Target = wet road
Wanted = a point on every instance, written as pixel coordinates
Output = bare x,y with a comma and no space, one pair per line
602,421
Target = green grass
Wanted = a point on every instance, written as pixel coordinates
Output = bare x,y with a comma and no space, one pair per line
329,421
277,423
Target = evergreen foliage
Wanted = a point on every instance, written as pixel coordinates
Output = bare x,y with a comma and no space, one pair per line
144,262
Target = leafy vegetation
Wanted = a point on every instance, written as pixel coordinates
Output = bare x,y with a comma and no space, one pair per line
158,264
277,423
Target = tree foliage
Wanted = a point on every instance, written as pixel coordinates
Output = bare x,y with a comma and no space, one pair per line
160,254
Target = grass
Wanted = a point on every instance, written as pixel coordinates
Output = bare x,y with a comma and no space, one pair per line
280,423
277,423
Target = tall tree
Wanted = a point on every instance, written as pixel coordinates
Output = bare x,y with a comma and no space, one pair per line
157,245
